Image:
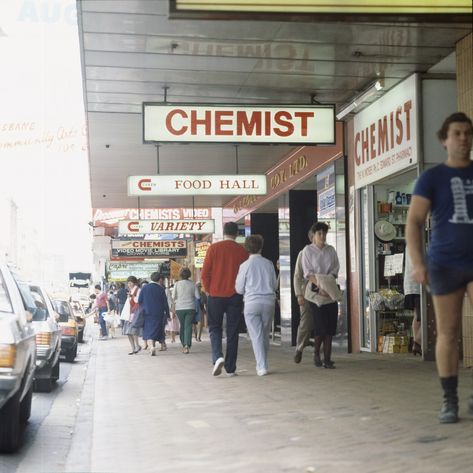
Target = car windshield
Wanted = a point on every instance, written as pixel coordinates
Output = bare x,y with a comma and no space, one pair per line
62,308
36,308
5,303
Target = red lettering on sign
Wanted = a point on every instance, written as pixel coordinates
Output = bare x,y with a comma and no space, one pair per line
169,124
206,122
219,122
283,119
251,125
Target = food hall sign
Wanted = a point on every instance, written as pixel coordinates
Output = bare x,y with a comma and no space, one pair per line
130,227
149,248
197,185
230,124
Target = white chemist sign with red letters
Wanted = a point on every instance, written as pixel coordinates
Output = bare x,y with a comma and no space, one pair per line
231,124
197,185
386,134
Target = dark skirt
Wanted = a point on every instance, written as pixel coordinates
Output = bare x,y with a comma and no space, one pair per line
325,319
153,328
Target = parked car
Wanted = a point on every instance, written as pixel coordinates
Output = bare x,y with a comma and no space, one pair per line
79,316
48,339
68,326
17,361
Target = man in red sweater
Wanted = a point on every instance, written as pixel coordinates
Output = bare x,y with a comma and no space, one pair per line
219,273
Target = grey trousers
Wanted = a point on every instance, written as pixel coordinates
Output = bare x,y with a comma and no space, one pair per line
258,318
306,325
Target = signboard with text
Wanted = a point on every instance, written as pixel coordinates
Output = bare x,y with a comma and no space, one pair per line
326,193
149,248
196,185
201,248
130,227
386,134
284,124
121,271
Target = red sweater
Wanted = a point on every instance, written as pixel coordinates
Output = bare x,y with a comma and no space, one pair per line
221,266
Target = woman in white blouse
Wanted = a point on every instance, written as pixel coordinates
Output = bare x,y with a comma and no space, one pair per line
256,280
317,259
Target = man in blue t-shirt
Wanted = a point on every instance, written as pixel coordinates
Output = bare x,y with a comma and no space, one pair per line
446,191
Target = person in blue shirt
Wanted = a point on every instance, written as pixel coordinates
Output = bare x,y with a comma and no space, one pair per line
446,191
256,281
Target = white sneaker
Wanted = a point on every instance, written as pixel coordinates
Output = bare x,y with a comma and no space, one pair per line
262,372
217,369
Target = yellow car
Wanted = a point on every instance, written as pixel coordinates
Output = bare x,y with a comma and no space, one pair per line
69,328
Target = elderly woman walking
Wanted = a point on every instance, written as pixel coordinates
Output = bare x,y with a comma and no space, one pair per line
185,295
320,266
131,306
257,282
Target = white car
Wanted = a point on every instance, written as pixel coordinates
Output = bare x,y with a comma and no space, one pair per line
17,362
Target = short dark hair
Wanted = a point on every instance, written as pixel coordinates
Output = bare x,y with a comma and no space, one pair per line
98,286
318,226
133,280
254,243
458,117
230,229
185,273
156,276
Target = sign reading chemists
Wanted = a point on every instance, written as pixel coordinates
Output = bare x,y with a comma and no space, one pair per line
242,124
197,185
149,248
130,227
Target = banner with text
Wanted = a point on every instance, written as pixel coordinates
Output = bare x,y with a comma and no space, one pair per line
197,185
386,134
238,124
130,227
149,248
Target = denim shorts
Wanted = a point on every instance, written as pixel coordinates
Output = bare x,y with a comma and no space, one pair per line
443,280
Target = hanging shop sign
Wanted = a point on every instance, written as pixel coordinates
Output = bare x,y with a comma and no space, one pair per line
326,193
149,248
201,248
243,124
130,227
121,271
386,134
296,167
197,185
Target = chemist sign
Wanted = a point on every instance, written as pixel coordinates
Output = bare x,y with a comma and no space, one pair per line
386,134
197,185
149,248
283,124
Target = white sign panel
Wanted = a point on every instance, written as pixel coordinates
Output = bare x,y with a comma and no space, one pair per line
197,185
130,227
386,134
231,124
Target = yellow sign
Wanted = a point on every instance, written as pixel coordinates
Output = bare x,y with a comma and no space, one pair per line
334,6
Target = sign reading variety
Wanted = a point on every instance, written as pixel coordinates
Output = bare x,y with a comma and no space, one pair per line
149,248
197,185
130,227
229,124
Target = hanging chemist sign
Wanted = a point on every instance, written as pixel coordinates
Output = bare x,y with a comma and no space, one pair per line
243,124
197,185
149,248
130,227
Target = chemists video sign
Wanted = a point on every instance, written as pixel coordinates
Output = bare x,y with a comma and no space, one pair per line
149,248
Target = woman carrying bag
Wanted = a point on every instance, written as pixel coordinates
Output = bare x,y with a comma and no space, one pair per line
129,313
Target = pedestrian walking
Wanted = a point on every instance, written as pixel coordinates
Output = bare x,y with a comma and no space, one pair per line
320,260
306,324
121,299
200,313
154,304
172,325
221,265
131,306
446,192
185,295
101,302
257,282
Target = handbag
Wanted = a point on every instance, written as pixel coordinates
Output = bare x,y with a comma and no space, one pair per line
137,318
125,314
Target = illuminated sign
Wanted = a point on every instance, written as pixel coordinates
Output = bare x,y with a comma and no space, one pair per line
230,124
320,6
149,248
197,185
130,227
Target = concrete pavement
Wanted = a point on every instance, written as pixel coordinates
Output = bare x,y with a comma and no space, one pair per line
168,414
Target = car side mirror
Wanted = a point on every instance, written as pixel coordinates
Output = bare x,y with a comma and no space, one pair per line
29,316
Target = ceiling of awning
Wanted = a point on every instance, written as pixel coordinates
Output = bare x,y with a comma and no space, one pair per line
131,51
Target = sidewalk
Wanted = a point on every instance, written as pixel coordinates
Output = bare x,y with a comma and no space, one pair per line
168,414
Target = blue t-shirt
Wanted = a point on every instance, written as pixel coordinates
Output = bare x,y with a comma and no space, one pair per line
450,191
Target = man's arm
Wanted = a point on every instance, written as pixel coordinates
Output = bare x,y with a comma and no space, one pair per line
418,211
206,272
299,280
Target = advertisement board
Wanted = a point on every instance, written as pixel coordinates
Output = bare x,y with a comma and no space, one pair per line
149,248
130,227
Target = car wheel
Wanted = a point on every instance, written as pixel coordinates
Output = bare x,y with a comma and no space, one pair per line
80,337
25,406
55,371
10,425
71,354
44,385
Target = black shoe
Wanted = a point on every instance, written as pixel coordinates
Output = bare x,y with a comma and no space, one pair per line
449,412
330,365
317,360
297,356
